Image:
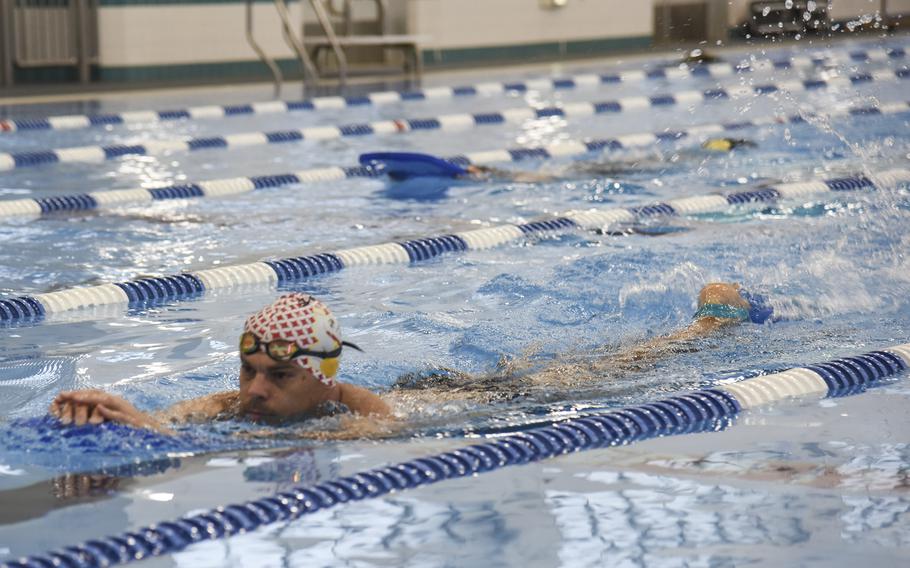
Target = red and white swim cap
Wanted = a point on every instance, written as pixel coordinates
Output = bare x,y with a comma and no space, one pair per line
303,320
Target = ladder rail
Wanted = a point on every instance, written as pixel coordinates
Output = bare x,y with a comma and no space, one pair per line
277,76
341,58
309,70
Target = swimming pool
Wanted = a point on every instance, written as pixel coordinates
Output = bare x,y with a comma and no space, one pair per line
812,482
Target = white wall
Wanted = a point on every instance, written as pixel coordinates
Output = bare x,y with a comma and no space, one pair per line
136,35
174,34
480,23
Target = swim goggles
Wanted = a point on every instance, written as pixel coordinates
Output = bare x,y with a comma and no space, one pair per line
760,310
722,311
284,350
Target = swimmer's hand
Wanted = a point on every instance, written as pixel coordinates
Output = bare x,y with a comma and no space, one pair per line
96,406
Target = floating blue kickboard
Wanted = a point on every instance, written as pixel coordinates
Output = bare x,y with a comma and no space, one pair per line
406,165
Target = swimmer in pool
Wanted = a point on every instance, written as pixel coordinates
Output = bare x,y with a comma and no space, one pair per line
573,375
414,174
289,357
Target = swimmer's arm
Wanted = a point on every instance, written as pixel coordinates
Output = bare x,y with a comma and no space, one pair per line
531,177
96,406
218,406
714,293
364,402
666,345
487,172
699,328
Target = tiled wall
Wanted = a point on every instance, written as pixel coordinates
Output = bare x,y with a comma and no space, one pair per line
165,39
484,23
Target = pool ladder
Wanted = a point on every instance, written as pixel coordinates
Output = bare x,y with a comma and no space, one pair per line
310,75
307,49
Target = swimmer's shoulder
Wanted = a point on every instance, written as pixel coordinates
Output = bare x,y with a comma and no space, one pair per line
364,402
217,406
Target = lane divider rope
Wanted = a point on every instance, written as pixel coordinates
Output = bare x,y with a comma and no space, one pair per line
715,70
154,290
449,122
706,410
41,206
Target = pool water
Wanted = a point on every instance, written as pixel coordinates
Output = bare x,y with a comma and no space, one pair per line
804,483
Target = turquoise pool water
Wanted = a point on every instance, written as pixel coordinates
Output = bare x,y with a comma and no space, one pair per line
820,483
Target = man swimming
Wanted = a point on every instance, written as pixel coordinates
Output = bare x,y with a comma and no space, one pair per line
289,356
415,174
290,353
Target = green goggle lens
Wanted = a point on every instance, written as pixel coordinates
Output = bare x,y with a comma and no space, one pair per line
249,344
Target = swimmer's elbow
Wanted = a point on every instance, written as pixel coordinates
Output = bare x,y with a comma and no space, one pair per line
364,402
377,408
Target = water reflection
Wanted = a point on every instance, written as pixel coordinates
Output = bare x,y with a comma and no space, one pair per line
39,499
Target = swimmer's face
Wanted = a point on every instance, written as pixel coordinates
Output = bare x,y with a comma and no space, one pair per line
274,391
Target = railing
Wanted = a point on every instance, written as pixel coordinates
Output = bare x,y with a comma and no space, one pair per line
48,33
338,34
295,43
364,40
329,30
346,14
277,77
310,74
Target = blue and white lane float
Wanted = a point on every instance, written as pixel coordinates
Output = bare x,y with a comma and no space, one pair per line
449,122
700,411
284,271
715,70
37,207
